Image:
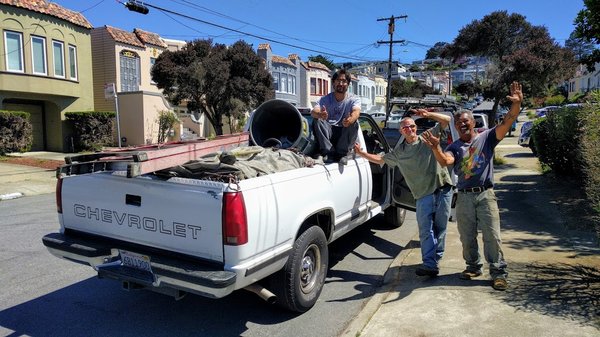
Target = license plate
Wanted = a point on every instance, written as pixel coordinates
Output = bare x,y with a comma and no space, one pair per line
136,261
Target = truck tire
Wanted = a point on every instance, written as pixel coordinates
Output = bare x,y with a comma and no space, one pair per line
394,216
299,284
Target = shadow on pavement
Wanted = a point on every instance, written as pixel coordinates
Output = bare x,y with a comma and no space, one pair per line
556,289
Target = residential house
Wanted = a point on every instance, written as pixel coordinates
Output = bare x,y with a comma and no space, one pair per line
125,59
380,92
318,81
584,80
286,74
46,68
365,91
473,69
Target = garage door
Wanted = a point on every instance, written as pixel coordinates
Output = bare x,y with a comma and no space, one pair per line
37,122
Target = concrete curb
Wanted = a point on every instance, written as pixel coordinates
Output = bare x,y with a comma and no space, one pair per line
10,196
390,281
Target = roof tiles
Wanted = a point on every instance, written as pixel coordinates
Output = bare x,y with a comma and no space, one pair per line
52,9
149,38
122,36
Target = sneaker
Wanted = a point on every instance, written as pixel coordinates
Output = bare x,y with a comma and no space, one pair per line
425,271
500,284
470,274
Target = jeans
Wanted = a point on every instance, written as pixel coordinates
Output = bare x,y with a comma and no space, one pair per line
334,140
480,210
433,211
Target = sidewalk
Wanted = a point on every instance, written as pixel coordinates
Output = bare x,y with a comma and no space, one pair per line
546,295
18,180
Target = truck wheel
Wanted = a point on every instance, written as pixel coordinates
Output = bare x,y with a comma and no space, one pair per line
394,216
299,284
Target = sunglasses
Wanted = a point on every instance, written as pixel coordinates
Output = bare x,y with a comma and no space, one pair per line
406,127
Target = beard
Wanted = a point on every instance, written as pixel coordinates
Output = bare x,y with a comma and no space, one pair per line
341,89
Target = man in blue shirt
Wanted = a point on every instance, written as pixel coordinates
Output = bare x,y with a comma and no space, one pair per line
335,116
476,206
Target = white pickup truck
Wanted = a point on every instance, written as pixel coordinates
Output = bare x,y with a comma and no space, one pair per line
183,235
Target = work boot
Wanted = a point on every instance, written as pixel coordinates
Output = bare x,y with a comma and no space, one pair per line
470,274
426,271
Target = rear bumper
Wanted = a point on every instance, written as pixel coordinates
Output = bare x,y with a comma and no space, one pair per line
168,272
524,141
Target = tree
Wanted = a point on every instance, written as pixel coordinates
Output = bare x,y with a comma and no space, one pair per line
436,51
402,88
587,27
415,68
323,60
214,79
468,88
517,51
579,46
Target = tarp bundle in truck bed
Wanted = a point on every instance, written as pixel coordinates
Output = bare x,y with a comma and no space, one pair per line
241,163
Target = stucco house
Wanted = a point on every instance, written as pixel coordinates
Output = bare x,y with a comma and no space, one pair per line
46,68
318,81
584,80
125,59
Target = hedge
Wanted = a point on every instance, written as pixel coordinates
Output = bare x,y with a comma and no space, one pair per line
568,141
16,134
92,130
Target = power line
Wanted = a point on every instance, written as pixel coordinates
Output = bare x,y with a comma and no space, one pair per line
253,35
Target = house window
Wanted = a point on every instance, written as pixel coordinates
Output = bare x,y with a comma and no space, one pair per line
73,62
130,71
38,55
284,83
276,81
293,85
58,51
291,88
313,86
152,62
13,49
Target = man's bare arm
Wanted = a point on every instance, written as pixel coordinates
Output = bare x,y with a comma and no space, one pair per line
373,158
443,158
516,97
443,119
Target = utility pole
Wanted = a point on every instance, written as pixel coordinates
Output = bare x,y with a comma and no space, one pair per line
391,27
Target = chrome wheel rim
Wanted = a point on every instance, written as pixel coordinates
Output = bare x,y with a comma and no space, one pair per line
310,268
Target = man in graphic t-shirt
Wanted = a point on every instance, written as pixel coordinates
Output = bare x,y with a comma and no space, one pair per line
476,205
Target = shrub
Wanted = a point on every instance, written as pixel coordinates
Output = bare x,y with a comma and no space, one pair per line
91,129
554,100
16,134
557,140
166,120
591,148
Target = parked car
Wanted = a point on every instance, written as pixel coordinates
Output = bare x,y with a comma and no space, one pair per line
525,139
481,122
541,112
379,117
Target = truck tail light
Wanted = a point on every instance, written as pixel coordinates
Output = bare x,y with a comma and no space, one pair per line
59,183
235,223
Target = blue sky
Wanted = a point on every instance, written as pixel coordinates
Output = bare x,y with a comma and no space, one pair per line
346,29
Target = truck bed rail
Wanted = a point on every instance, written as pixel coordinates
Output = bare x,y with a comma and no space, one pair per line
150,158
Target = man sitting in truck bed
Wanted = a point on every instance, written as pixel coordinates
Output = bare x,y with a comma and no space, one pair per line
334,123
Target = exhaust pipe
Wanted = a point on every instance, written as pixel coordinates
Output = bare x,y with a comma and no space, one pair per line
262,292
